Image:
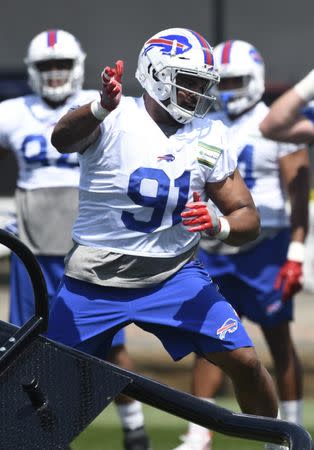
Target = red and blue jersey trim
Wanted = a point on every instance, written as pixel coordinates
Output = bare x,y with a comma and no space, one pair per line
208,56
51,38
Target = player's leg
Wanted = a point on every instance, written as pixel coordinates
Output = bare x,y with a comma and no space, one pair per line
130,411
288,372
206,381
93,333
253,386
188,314
207,377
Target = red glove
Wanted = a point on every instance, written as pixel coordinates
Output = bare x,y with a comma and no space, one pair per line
111,86
289,279
201,216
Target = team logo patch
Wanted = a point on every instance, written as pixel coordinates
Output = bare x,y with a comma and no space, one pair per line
169,157
229,326
165,44
273,307
208,154
255,55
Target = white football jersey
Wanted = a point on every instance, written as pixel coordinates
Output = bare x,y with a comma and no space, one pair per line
26,124
258,163
135,181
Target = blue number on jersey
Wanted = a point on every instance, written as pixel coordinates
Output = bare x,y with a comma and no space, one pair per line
34,150
159,202
246,157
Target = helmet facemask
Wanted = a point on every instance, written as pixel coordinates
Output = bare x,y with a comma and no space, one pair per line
235,100
200,100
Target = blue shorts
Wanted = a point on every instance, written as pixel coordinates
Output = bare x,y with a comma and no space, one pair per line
186,312
247,279
21,292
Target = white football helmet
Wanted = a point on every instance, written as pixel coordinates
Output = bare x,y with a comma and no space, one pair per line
55,45
169,53
240,59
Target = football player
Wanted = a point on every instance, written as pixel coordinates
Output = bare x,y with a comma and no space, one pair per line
285,120
47,185
145,164
259,278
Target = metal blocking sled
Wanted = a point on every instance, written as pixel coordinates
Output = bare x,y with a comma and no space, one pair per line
49,392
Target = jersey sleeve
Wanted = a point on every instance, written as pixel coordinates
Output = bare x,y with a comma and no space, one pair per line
285,148
217,156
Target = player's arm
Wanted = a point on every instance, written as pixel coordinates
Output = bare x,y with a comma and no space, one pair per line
284,121
80,127
240,222
295,174
76,130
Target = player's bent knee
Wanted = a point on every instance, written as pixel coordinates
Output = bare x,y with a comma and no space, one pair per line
242,362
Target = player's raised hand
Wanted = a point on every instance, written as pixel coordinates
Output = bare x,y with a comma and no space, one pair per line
111,86
200,216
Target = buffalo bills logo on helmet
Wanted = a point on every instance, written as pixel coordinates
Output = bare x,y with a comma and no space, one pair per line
169,157
229,326
165,43
256,56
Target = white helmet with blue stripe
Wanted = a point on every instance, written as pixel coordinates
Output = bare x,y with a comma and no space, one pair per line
240,59
173,52
55,45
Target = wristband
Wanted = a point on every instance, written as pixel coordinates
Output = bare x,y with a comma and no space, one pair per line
305,87
98,111
296,252
224,229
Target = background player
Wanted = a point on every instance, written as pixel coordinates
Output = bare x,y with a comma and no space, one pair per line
259,278
47,194
143,161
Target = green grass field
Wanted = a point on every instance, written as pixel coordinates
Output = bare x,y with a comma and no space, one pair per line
164,429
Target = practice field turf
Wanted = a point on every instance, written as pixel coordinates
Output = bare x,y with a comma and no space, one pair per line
164,429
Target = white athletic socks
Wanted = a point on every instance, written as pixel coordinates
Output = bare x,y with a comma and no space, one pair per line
292,411
131,415
275,447
193,428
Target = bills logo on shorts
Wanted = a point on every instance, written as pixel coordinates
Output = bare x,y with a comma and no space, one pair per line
273,307
229,326
165,43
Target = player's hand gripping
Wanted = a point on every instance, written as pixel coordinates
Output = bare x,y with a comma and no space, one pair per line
111,86
201,217
289,279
